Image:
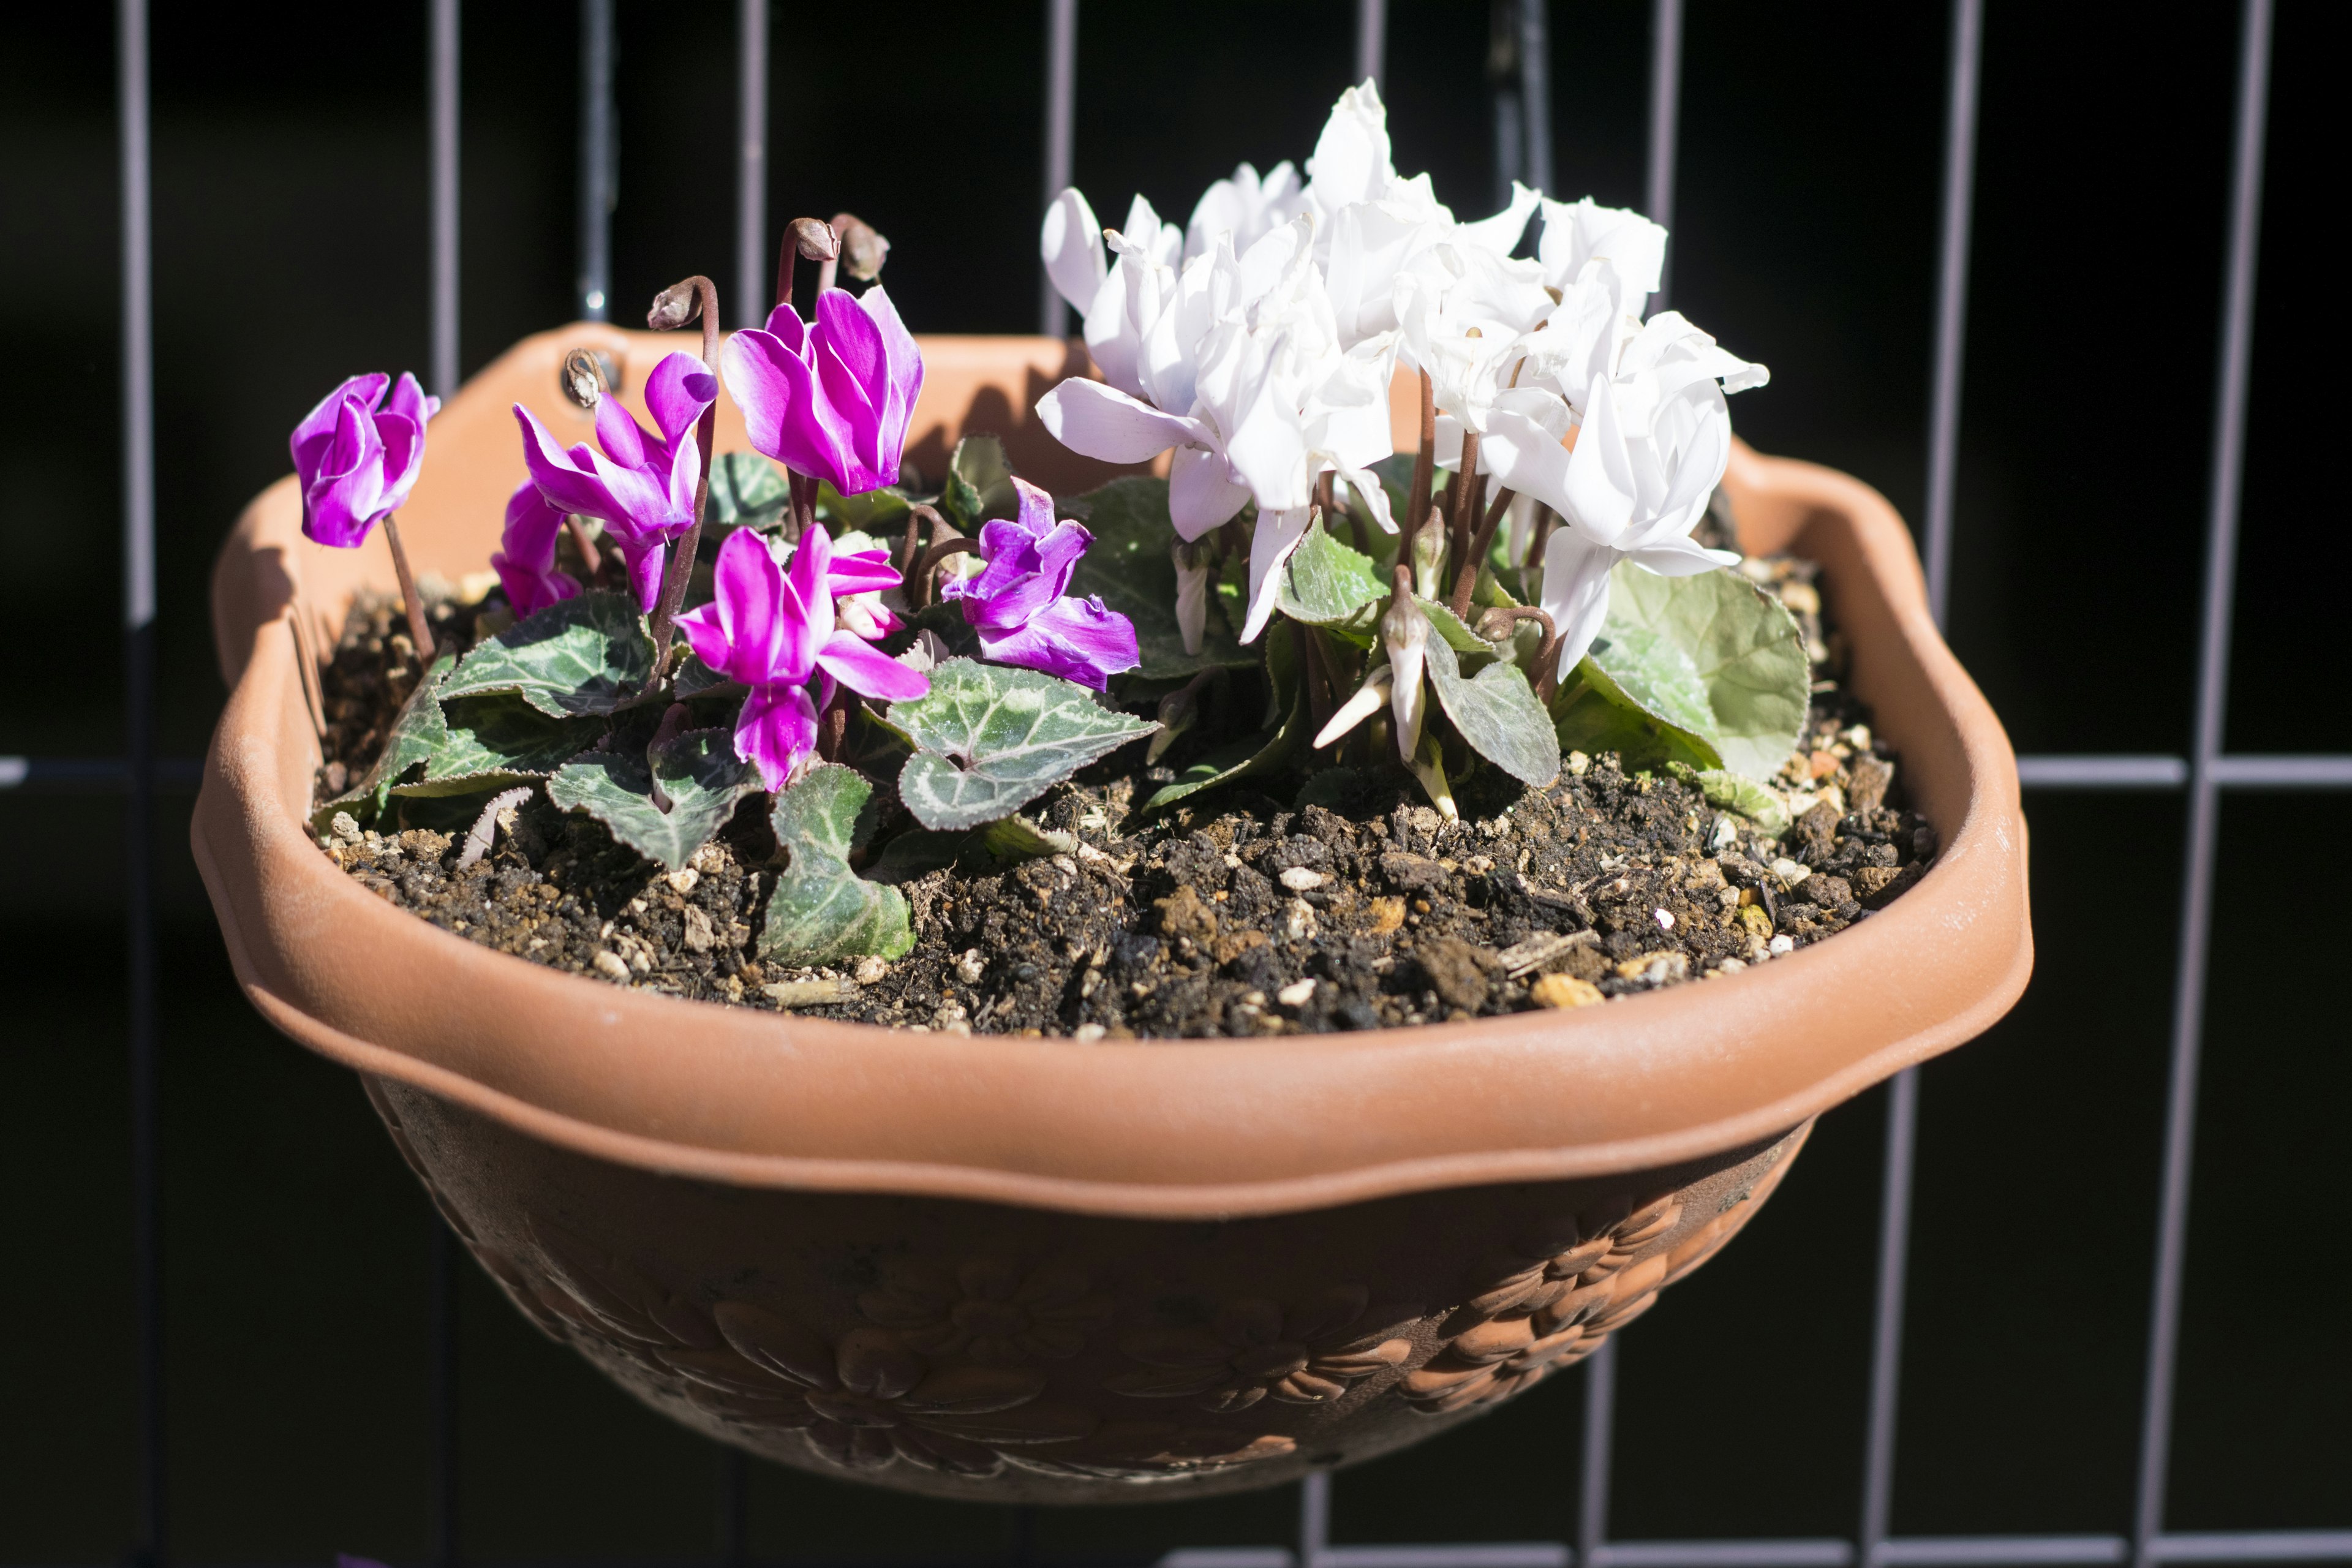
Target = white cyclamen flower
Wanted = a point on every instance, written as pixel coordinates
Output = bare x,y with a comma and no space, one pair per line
1244,208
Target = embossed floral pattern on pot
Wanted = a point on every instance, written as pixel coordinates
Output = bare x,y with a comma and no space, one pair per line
990,1310
1254,1348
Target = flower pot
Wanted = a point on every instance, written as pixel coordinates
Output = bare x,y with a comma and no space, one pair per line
1023,1270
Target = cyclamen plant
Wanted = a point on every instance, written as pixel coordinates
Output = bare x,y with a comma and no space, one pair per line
684,630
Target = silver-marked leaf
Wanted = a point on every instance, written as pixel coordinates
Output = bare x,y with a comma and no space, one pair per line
1737,792
821,910
990,740
1744,646
699,772
416,733
747,490
1498,713
1129,569
586,655
1656,672
1591,712
491,741
1449,626
1325,583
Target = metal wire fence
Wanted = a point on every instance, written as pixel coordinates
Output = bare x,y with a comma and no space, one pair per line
1523,143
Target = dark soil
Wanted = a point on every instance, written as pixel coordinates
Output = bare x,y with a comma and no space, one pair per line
1349,905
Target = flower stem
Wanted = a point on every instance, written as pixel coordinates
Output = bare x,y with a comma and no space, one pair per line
674,308
1465,578
591,558
918,586
802,236
420,630
1461,499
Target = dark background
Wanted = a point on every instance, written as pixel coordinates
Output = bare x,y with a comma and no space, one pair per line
290,250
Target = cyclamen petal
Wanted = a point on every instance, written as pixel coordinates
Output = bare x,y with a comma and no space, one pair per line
679,389
525,560
1076,639
833,399
356,456
868,671
776,732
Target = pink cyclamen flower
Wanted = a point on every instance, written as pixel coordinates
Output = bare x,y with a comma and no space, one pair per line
641,486
1020,605
831,399
525,559
356,460
773,629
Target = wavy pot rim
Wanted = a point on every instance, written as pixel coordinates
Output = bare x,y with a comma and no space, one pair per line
1151,1128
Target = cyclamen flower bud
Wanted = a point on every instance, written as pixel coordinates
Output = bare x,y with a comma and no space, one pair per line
673,306
863,249
1404,630
816,241
1191,592
587,375
1428,556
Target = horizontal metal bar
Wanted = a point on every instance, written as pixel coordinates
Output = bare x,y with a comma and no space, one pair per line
1723,1554
1974,1551
2255,1546
2101,772
1228,1557
94,775
2283,773
1499,1554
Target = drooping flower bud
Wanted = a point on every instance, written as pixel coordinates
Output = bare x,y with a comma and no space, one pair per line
1405,631
1178,712
816,241
588,375
1191,560
673,306
862,246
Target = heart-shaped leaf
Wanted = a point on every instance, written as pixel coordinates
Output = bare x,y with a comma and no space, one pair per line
590,654
1741,643
1010,734
1498,713
491,741
1449,626
1127,567
747,490
821,910
1325,583
1591,712
417,732
699,772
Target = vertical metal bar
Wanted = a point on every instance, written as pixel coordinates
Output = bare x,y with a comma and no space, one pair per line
1061,99
1886,1320
1314,1519
445,196
1666,118
1952,297
2204,795
1372,41
1943,453
441,1302
139,715
1535,91
734,1508
1600,1440
751,259
599,159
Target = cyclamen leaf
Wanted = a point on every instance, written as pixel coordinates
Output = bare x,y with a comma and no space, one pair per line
1015,837
884,509
586,655
747,490
1327,584
1127,567
1657,674
1744,646
1498,713
979,482
491,741
1013,731
1449,626
416,733
1254,756
821,910
1593,713
699,772
1735,792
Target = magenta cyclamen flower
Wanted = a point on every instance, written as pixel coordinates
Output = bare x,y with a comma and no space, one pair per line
1019,602
525,559
772,629
356,460
641,486
831,399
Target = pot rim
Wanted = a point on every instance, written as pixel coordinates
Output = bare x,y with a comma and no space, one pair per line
1143,1128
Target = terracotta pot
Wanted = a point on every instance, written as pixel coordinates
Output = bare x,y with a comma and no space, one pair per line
1029,1269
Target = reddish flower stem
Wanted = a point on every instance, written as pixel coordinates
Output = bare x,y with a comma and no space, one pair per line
420,630
681,568
1467,583
1425,468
